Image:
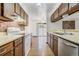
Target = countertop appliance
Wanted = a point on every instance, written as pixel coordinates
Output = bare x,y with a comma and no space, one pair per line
66,48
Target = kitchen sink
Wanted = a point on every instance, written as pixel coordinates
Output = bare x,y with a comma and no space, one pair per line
65,33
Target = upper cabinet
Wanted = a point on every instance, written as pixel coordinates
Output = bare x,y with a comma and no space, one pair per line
22,13
26,18
60,11
63,9
5,11
73,7
0,9
10,11
55,17
17,8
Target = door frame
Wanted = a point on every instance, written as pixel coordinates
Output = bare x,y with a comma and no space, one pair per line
37,28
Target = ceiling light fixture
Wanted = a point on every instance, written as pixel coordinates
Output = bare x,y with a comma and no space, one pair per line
38,4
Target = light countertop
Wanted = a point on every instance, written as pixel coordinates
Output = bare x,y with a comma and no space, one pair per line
4,39
72,38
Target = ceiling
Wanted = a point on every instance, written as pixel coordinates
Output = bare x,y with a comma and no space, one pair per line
35,11
50,7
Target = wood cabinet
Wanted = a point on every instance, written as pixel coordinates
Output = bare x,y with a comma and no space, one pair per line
55,45
22,13
52,41
55,15
73,7
8,10
18,50
2,15
48,40
19,47
26,18
59,12
63,9
14,48
17,9
7,50
0,9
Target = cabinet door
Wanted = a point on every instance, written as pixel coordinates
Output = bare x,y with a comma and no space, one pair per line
0,9
10,53
8,10
55,15
6,50
17,8
22,13
73,7
52,42
63,9
49,40
52,18
26,18
19,50
55,43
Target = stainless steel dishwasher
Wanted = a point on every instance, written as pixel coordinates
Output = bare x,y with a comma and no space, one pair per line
66,48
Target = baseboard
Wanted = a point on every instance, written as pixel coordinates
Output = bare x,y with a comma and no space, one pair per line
26,53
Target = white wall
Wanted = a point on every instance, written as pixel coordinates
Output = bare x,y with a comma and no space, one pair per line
40,19
58,24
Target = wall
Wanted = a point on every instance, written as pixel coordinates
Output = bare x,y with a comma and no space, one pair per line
58,24
5,25
41,18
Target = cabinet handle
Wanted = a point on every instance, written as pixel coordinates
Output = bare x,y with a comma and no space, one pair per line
3,51
69,45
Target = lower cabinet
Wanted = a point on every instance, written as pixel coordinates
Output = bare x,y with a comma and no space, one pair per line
19,47
10,53
19,50
48,39
14,48
53,43
7,49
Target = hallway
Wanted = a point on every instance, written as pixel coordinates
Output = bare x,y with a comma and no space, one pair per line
39,47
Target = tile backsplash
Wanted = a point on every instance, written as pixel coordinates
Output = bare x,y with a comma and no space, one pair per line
5,25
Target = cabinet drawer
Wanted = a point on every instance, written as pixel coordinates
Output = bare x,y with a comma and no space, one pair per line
6,48
18,41
10,53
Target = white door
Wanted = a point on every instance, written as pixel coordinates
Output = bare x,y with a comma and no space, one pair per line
42,35
41,29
